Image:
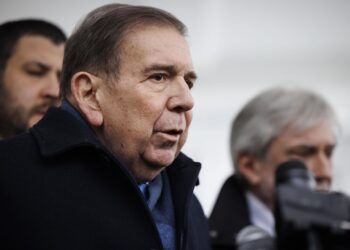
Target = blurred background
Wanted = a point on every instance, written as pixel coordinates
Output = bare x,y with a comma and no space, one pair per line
239,48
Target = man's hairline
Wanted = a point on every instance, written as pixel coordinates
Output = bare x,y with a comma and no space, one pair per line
15,47
292,128
20,38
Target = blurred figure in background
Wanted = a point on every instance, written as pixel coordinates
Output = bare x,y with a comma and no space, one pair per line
275,126
31,56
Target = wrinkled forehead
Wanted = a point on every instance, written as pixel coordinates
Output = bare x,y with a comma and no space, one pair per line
137,31
302,126
321,133
153,43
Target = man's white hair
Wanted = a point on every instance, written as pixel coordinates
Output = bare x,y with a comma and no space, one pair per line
268,114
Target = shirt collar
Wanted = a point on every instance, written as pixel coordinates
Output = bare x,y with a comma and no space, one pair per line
152,191
260,214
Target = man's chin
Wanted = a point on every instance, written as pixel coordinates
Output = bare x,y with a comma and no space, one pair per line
161,159
153,165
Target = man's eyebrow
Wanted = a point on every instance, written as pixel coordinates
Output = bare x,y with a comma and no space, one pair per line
333,145
295,148
172,70
169,68
302,146
36,63
191,75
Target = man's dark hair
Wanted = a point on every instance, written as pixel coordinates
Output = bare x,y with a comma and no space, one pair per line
12,31
95,45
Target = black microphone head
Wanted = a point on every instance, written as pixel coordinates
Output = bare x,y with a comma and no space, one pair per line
254,238
294,172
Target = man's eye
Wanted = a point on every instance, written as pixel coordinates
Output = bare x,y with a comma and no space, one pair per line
35,72
159,77
303,151
58,76
190,84
329,151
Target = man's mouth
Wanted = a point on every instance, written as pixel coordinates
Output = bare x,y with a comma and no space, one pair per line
171,134
42,110
174,131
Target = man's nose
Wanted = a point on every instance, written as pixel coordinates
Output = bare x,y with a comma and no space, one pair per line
322,170
181,99
51,88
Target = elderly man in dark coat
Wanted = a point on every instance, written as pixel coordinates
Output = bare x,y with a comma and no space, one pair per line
105,170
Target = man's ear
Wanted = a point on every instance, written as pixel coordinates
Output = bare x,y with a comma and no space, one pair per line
250,167
84,87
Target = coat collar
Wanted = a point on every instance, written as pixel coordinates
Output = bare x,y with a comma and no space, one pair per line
59,131
183,177
230,213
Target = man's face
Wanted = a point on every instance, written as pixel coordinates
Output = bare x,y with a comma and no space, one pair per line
147,111
30,83
314,147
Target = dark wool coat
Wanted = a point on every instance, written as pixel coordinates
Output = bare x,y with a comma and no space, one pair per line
60,189
229,216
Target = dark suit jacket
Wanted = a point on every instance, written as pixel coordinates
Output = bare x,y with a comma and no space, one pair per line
61,189
229,216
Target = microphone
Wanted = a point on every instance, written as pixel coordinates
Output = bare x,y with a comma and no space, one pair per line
254,238
294,172
306,218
